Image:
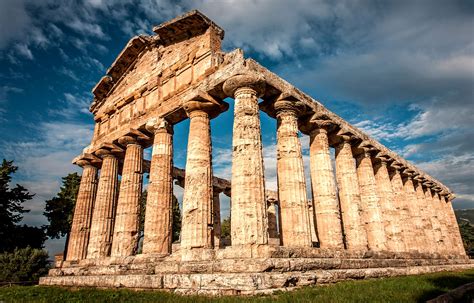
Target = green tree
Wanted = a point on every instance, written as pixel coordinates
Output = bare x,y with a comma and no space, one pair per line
23,265
13,235
467,234
60,210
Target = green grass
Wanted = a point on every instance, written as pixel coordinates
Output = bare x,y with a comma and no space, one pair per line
398,289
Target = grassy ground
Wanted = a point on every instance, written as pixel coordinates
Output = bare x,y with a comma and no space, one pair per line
398,289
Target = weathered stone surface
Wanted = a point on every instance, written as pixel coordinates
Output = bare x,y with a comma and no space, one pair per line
248,217
294,214
81,224
127,217
393,230
378,227
370,203
100,240
326,205
158,233
197,222
349,198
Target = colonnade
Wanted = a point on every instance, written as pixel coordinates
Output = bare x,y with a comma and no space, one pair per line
364,201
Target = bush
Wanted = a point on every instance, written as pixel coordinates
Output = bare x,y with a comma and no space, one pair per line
25,265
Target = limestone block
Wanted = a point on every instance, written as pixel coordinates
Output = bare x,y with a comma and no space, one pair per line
349,198
127,218
326,205
81,224
293,211
100,240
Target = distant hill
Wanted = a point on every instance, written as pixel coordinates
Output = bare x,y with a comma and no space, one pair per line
466,214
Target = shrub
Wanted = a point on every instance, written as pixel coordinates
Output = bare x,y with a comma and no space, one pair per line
25,265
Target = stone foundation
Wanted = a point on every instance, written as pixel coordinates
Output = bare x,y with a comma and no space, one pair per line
245,271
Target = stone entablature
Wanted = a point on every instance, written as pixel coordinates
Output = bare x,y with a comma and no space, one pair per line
369,209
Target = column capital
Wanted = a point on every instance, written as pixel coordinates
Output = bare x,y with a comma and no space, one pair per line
83,163
291,107
159,125
127,140
254,82
104,153
203,102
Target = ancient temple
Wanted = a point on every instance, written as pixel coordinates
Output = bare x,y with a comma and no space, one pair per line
372,213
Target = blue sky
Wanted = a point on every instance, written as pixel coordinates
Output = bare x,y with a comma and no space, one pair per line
403,71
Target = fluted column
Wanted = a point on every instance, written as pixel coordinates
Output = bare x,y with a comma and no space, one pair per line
127,217
294,214
390,214
159,203
81,223
272,220
249,216
437,244
197,224
100,240
349,197
370,203
401,205
446,235
426,226
326,205
414,213
216,219
453,226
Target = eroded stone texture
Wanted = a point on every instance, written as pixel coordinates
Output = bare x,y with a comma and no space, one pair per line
426,226
100,240
127,217
453,226
81,224
370,203
414,214
216,219
438,244
349,197
294,215
446,240
393,231
197,220
158,219
401,205
249,219
272,221
326,206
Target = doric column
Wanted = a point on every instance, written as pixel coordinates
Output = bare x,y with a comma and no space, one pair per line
326,206
100,240
216,219
272,220
81,223
249,216
437,244
370,202
446,235
159,203
401,205
390,215
349,197
453,225
414,213
197,223
426,226
294,218
127,217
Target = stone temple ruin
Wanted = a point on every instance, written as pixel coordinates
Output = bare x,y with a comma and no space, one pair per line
373,215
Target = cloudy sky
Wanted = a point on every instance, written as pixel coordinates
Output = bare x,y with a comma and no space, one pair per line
403,71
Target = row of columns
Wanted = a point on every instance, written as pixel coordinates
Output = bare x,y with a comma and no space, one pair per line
361,205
